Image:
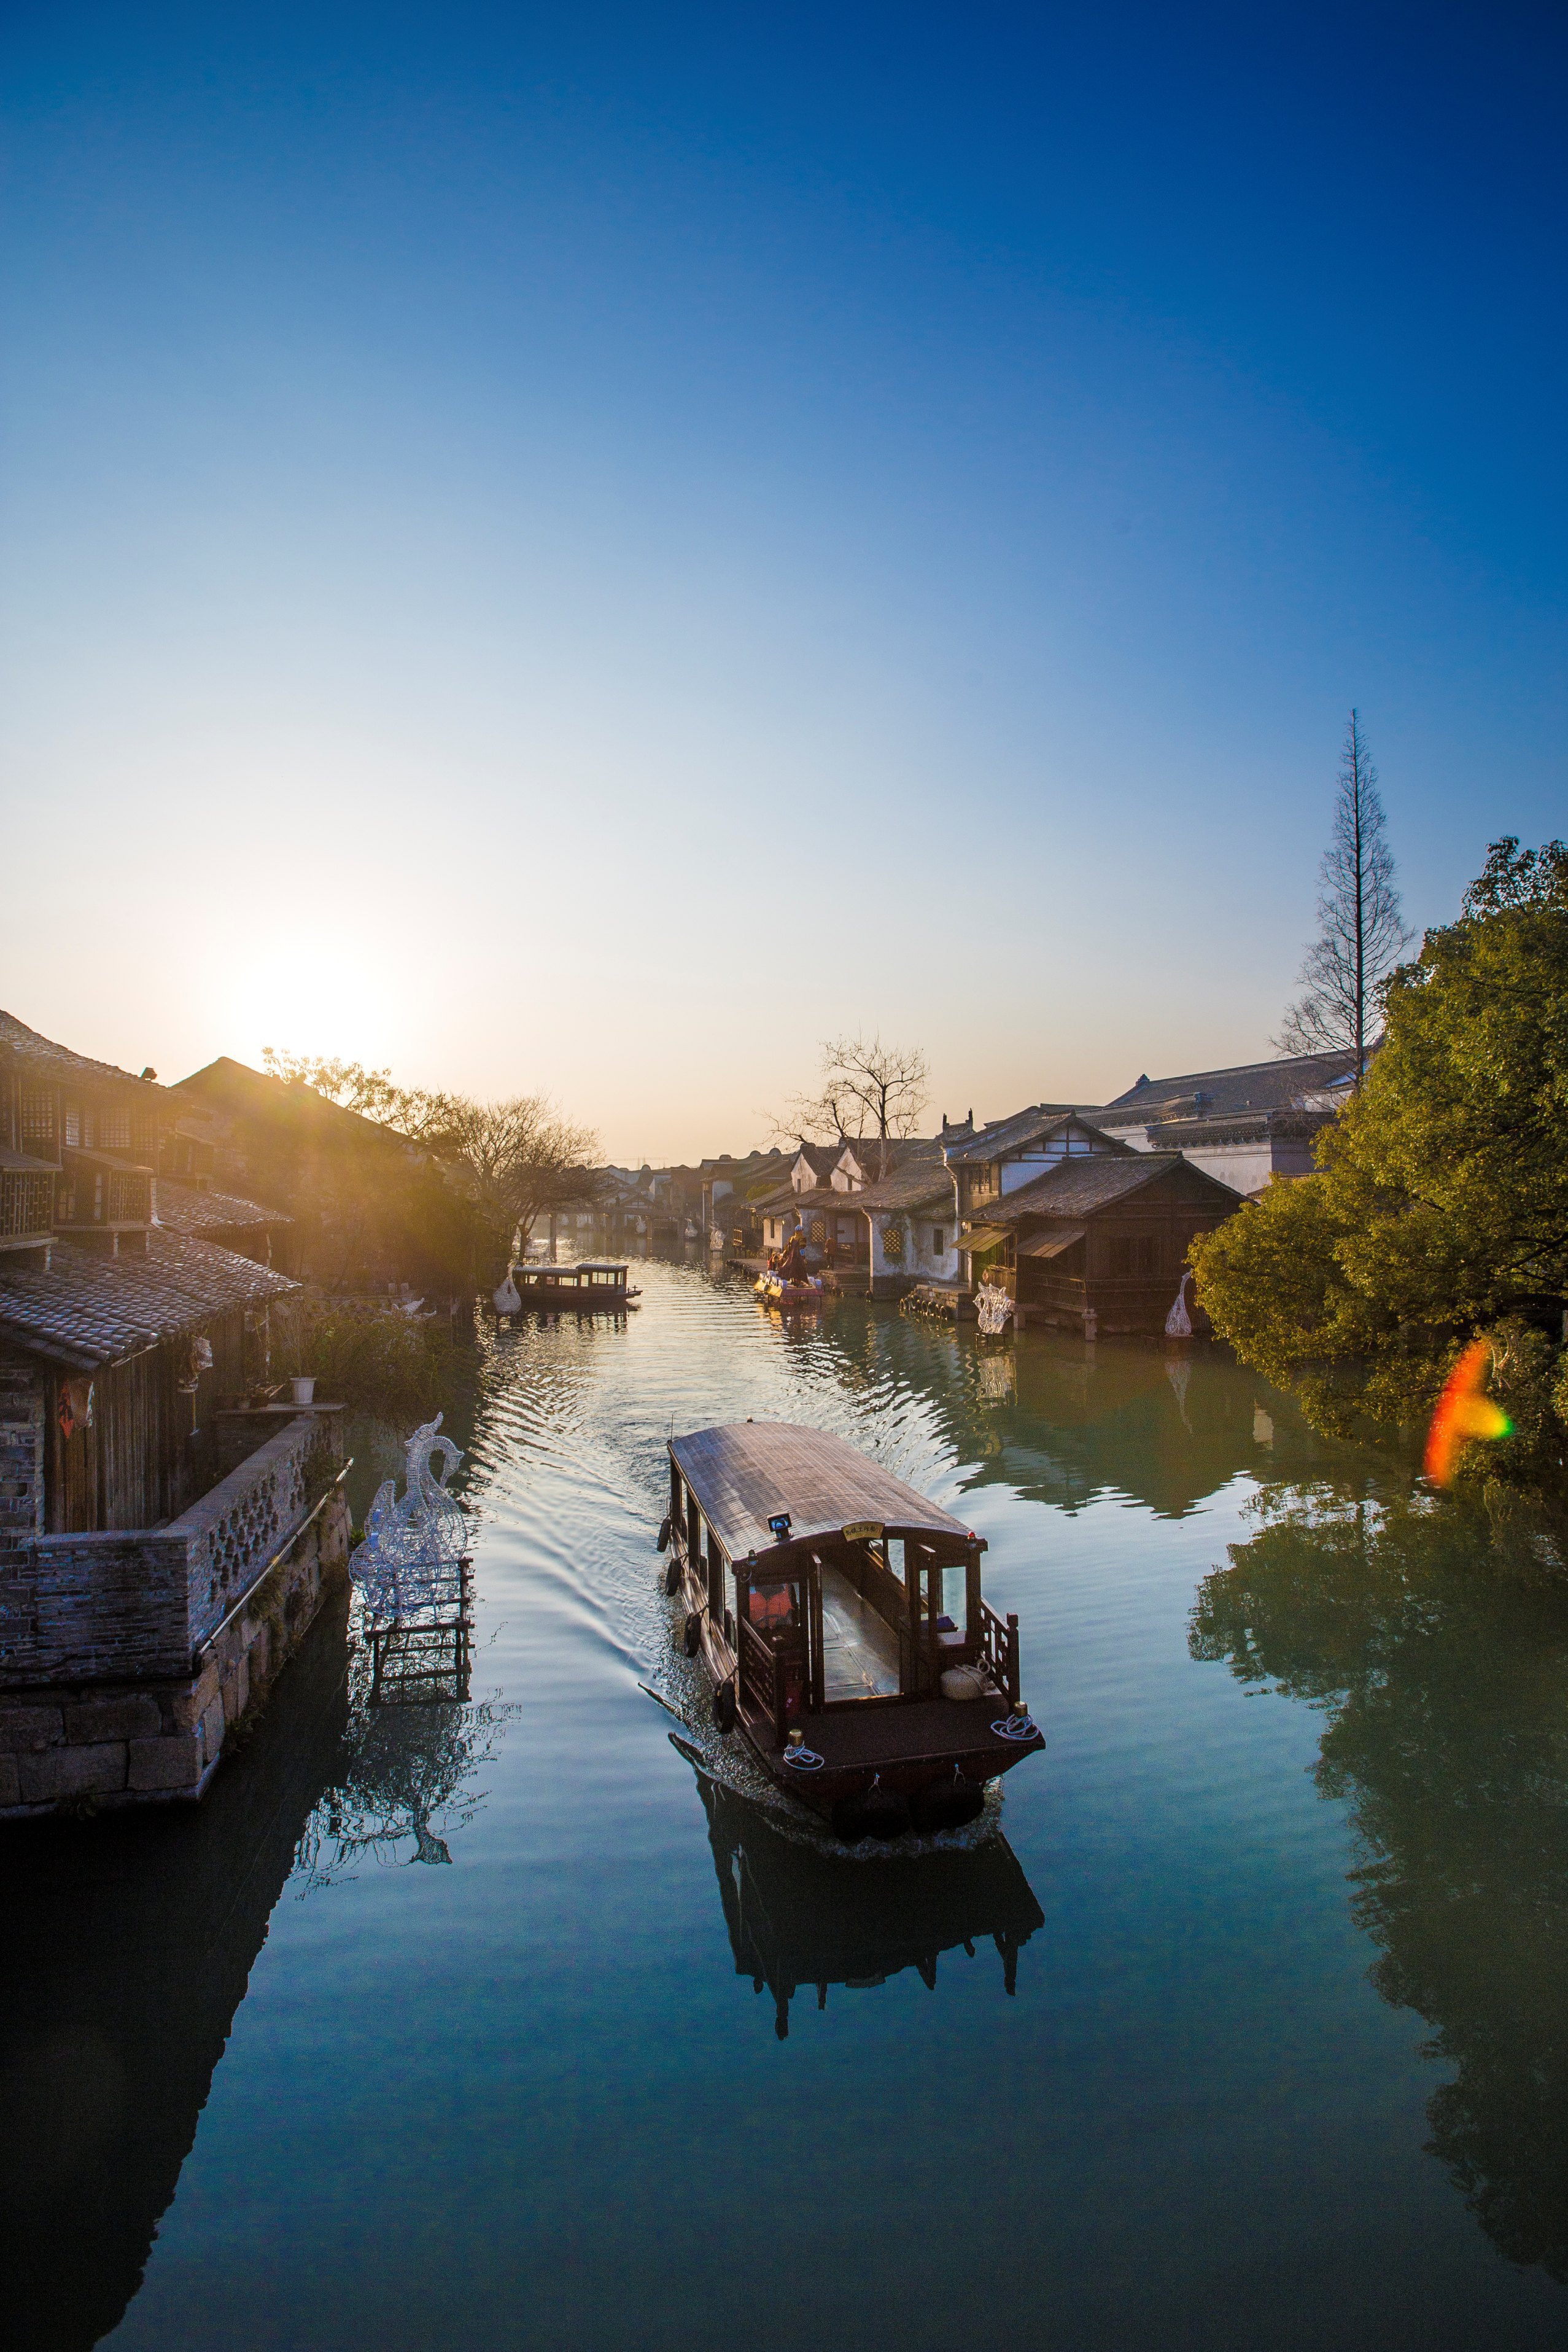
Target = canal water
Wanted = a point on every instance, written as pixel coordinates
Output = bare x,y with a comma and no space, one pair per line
512,2021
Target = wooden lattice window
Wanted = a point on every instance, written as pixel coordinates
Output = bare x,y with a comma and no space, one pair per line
38,1121
892,1241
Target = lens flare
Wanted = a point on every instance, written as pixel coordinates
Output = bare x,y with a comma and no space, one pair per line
1464,1412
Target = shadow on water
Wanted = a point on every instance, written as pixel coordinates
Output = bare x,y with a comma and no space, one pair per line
799,1917
126,1946
1440,1658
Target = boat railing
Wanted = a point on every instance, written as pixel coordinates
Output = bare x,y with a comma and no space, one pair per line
999,1650
765,1667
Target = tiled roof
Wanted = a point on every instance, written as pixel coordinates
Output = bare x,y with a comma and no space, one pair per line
1076,1187
1208,1094
922,1176
85,1311
186,1209
58,1061
1006,1134
1240,1127
918,1174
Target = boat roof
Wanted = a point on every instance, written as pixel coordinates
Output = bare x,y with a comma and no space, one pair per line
582,1265
743,1472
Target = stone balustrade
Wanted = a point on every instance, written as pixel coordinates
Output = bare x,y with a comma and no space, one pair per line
128,1604
126,1659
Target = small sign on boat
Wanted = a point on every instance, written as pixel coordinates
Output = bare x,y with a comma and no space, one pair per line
861,1531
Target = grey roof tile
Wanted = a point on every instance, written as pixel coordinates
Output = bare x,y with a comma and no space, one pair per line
187,1209
87,1310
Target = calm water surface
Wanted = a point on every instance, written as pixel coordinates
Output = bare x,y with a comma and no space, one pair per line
503,2024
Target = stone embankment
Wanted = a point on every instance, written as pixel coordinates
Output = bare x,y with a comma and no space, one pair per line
134,1656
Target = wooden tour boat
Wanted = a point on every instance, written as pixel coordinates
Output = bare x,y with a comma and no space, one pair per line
595,1285
839,1615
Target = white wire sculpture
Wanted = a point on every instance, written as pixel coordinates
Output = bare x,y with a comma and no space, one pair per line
993,1307
410,1547
1178,1322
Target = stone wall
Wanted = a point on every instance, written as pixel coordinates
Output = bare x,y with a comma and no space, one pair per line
73,1744
22,1409
128,1658
137,1602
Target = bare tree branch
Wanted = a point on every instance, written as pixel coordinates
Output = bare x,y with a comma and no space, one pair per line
869,1091
519,1157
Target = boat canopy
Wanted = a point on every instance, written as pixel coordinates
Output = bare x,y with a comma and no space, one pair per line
743,1474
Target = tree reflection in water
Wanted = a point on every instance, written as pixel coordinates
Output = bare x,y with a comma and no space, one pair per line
404,1774
1437,1646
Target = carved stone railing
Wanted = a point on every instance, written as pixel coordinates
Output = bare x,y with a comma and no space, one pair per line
239,1523
140,1602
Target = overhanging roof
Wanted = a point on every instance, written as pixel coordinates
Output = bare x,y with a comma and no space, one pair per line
1051,1245
84,1310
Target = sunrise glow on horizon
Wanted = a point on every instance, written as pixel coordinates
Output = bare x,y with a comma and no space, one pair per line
590,555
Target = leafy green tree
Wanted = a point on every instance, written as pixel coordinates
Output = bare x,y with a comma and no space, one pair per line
1440,1209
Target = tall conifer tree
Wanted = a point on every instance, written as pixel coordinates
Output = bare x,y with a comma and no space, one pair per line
1360,936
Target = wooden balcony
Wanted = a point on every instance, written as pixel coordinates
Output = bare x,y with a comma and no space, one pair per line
100,1197
26,1200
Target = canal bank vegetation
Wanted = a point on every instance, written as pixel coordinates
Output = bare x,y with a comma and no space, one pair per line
371,1355
498,1166
1439,1211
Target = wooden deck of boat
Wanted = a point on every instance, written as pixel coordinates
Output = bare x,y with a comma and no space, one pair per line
744,1472
940,1729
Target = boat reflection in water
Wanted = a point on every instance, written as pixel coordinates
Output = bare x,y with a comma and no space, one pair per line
801,1915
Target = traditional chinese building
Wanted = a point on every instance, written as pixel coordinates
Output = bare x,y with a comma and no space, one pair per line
1100,1240
164,1525
1245,1125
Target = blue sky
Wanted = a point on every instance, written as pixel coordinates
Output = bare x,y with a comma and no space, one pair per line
592,549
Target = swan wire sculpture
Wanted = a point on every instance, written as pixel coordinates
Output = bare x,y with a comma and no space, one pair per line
412,1547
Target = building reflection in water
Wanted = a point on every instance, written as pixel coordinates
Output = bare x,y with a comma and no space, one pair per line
126,1947
802,1918
1439,1650
1062,1421
125,1950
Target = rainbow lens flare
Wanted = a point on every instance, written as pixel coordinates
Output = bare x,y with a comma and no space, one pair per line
1464,1412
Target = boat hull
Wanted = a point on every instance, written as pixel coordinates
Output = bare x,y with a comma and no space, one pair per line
906,1749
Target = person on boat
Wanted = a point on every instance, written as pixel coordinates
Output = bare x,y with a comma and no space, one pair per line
790,1266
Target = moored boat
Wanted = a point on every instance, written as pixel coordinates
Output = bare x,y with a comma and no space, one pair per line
839,1616
776,1290
594,1286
